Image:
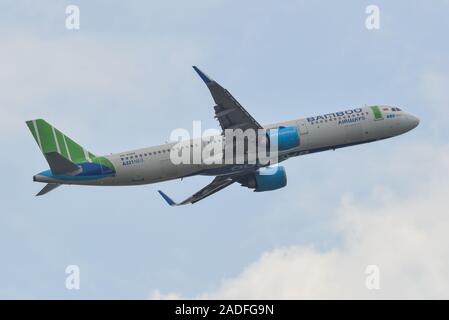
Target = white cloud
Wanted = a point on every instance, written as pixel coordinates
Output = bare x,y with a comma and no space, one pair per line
405,235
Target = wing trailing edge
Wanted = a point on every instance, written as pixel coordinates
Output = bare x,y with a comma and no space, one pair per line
216,185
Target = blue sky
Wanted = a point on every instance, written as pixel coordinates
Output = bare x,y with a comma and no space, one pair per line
124,81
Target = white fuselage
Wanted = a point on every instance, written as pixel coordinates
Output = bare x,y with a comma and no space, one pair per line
320,133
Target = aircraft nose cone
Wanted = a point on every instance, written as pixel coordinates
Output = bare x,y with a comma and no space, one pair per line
414,121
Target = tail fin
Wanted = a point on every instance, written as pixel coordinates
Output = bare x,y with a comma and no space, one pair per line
60,165
51,140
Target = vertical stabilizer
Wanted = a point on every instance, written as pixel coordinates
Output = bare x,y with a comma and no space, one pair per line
50,140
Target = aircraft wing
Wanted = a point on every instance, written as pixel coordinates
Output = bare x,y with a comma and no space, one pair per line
228,111
216,185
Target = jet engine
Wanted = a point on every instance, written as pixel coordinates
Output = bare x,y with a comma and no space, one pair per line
267,179
286,137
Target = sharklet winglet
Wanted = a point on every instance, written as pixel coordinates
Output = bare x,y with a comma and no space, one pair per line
202,75
167,198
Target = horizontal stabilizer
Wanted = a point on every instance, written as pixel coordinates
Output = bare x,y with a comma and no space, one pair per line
48,187
59,164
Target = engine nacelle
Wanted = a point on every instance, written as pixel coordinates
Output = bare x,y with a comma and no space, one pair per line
267,179
286,137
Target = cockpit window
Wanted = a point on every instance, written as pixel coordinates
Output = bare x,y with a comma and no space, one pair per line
396,109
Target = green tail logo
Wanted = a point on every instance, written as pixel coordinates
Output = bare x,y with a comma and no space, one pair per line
51,139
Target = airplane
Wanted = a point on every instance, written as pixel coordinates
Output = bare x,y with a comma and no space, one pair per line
72,164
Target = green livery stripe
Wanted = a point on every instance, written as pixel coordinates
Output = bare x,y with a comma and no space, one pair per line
76,151
61,144
377,113
33,131
51,139
47,138
103,161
